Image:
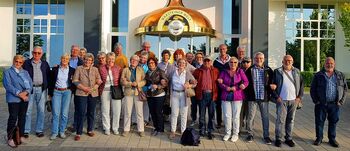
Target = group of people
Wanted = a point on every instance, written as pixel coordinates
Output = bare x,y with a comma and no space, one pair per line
232,88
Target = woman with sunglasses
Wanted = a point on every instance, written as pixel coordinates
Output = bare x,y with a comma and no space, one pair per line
232,83
18,86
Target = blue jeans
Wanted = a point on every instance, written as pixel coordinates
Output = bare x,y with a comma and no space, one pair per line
285,118
264,112
60,108
84,106
39,98
331,112
207,101
194,108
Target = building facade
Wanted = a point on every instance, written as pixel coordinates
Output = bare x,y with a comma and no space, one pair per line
306,29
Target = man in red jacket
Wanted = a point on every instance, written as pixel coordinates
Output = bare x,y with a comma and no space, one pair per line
206,94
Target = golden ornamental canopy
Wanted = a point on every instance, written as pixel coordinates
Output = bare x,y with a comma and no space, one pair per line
175,20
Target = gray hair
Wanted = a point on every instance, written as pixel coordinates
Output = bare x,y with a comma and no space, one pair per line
144,53
101,53
136,57
240,47
38,47
116,45
258,54
89,55
110,54
83,49
65,55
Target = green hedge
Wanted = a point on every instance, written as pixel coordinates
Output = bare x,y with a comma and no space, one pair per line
307,76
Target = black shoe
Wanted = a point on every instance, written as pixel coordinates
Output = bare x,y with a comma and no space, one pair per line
250,138
201,134
218,126
334,143
268,141
210,136
290,143
26,135
278,143
39,134
317,141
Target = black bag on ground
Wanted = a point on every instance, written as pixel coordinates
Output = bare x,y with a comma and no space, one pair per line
190,137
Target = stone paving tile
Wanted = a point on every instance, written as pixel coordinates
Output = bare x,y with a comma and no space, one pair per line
303,134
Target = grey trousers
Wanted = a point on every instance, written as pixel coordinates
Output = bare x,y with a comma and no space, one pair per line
285,118
264,112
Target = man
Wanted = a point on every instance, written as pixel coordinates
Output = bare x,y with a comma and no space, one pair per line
198,61
245,64
328,92
258,95
206,93
120,59
240,54
189,57
75,61
146,47
221,63
39,71
82,53
289,89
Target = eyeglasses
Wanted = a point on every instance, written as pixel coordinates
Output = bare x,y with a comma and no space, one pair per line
233,62
206,60
20,62
37,53
245,62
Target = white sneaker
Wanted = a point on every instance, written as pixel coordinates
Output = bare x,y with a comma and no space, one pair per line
62,135
234,138
107,132
226,137
53,137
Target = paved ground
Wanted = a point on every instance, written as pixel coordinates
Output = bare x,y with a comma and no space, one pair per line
304,135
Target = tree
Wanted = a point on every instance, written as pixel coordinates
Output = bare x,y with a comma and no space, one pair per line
344,20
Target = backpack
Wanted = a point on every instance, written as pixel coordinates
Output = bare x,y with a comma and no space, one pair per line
190,137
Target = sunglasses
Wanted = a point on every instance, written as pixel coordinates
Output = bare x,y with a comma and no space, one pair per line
245,61
233,62
38,53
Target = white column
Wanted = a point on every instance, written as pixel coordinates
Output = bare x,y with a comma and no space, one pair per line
106,24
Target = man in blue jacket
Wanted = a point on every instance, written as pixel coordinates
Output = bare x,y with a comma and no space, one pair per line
328,92
39,71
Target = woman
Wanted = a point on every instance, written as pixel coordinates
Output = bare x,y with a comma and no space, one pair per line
18,86
156,81
179,54
87,79
60,89
133,79
232,83
110,75
180,81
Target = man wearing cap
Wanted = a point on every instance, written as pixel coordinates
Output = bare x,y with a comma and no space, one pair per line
245,64
206,93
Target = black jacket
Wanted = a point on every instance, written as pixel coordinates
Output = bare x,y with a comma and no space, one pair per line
250,91
319,87
45,69
53,77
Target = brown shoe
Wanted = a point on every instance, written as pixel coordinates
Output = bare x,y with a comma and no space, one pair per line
125,133
91,134
77,137
172,135
142,134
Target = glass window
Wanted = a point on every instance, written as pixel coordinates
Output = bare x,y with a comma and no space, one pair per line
154,40
310,12
199,44
41,40
293,48
57,7
232,44
23,25
232,13
24,7
23,45
40,7
57,26
120,17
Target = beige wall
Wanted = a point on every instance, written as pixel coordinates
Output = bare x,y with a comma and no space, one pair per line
7,30
276,45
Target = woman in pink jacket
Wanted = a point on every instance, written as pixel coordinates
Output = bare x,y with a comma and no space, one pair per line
232,83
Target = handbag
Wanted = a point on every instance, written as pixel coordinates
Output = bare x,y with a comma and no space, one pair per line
116,91
142,95
190,92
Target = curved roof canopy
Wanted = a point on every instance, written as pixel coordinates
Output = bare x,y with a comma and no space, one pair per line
175,20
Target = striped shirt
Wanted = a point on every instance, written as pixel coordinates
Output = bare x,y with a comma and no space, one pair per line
331,93
259,83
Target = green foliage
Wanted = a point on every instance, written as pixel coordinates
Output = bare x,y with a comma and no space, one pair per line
1,75
344,20
307,76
